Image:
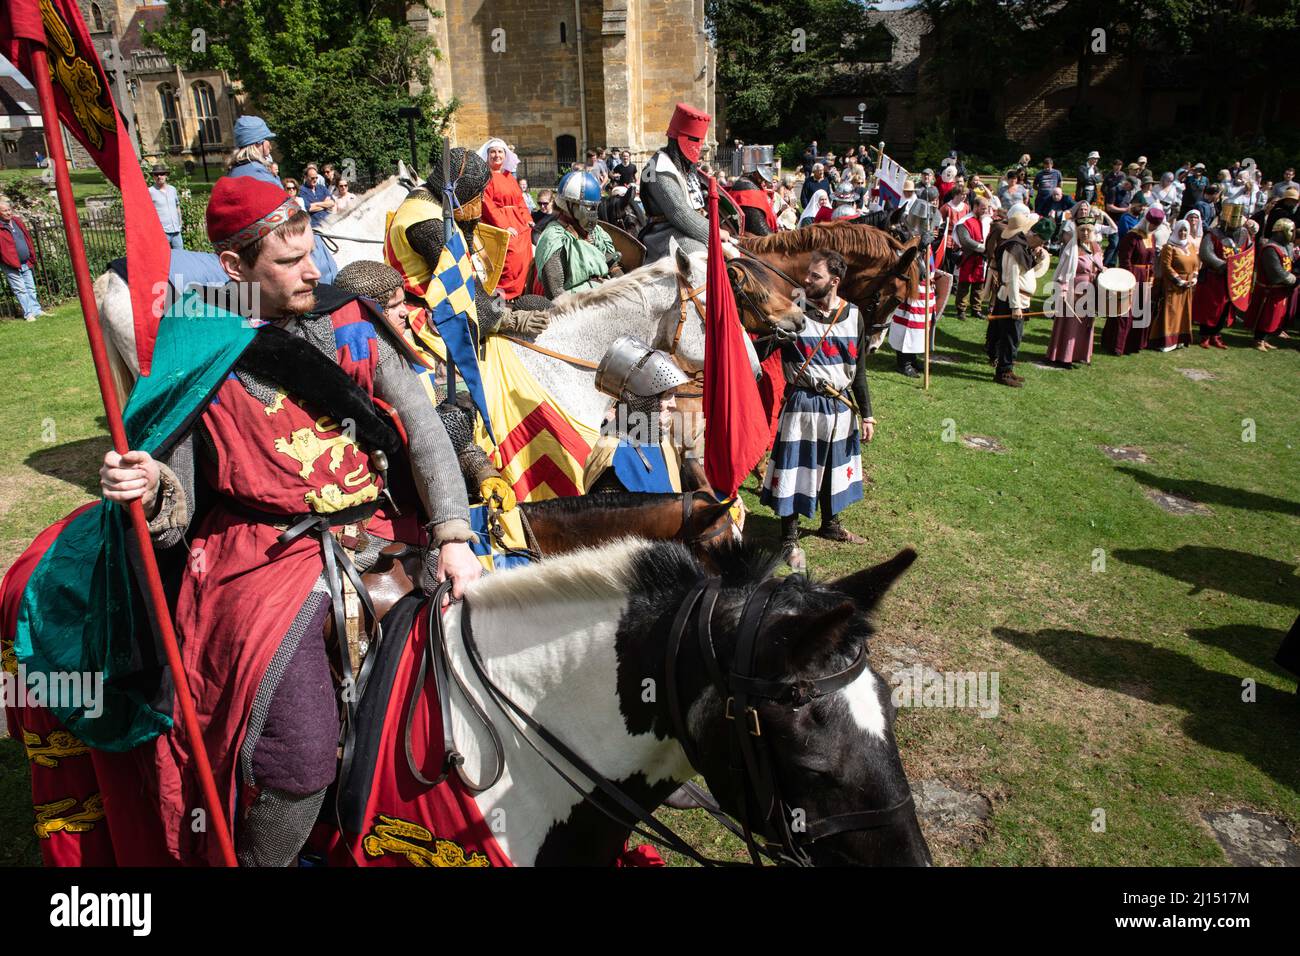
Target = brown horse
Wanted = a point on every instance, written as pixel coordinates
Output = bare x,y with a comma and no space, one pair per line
882,271
560,525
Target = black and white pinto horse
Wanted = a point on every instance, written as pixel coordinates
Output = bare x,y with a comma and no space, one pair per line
584,644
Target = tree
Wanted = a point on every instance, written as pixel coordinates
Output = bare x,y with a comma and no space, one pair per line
328,77
778,59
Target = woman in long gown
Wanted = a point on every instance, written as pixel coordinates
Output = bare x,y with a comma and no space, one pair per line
504,207
1137,254
1076,275
1180,261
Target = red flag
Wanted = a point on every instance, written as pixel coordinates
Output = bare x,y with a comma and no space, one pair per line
86,107
736,432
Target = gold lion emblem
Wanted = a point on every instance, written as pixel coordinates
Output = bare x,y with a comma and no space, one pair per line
392,835
305,446
52,818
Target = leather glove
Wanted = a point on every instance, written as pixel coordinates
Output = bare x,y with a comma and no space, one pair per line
530,323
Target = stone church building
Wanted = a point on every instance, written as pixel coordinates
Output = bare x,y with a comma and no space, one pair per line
555,77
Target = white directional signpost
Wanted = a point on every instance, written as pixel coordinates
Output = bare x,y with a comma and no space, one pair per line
865,129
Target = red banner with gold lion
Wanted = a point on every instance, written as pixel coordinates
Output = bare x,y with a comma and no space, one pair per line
86,108
1241,277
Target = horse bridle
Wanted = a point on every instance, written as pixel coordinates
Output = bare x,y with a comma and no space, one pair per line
762,807
761,797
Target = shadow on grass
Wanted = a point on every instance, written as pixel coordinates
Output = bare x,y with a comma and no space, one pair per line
1211,494
1265,732
1204,568
76,462
1249,642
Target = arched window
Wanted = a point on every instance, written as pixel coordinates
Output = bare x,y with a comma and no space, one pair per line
564,33
97,18
566,151
205,108
170,132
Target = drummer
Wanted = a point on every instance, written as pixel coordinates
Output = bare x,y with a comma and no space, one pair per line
574,253
634,451
1137,253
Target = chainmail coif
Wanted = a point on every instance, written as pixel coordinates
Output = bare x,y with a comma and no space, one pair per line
468,170
374,280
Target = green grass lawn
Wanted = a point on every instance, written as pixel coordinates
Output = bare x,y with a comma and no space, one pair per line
91,182
1120,688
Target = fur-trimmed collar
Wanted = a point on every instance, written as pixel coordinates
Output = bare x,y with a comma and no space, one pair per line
304,372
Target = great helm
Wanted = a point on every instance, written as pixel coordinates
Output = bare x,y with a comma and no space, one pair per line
1231,215
579,195
631,367
755,159
688,127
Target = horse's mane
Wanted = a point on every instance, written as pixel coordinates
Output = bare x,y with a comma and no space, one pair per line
579,504
595,574
618,568
839,237
621,289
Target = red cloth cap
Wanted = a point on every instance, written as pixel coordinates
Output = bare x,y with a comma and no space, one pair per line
244,209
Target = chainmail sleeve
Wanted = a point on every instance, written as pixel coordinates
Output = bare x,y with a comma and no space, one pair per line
488,309
552,274
426,238
433,462
1270,267
174,503
674,206
861,393
1209,257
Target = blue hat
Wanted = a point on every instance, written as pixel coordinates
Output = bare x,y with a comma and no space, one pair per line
250,130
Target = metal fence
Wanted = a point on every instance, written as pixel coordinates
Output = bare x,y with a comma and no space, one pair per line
104,232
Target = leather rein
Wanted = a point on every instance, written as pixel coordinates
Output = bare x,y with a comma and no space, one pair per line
763,811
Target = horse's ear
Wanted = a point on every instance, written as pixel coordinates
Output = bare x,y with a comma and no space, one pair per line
869,585
680,257
904,263
703,518
735,272
824,634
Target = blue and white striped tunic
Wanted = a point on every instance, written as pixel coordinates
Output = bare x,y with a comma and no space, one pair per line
817,432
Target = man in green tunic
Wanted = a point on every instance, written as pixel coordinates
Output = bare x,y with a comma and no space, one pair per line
574,253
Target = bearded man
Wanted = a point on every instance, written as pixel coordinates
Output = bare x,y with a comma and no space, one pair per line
292,502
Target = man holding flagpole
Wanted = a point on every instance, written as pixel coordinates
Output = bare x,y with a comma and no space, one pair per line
297,502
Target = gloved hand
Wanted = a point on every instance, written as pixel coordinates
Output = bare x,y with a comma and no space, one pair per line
528,323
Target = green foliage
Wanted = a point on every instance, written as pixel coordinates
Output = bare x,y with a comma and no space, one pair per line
329,78
777,59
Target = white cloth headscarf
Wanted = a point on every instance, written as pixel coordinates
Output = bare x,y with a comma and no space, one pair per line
818,200
1195,226
512,161
1181,235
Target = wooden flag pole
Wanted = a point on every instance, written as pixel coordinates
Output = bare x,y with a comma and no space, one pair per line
152,582
929,283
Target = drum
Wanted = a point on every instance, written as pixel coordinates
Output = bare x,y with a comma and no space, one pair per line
1114,292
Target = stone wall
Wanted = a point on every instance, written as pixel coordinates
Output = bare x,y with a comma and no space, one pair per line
639,58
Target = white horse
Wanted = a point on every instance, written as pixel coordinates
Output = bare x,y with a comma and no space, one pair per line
659,303
575,640
359,233
646,303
